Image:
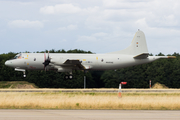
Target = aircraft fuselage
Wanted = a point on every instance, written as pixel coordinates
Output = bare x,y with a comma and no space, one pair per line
34,61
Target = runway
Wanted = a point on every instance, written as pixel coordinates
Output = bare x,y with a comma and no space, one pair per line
88,114
93,90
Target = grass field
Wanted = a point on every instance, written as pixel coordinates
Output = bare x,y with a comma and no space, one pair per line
17,85
132,101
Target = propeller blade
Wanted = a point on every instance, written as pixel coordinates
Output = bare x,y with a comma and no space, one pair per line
46,61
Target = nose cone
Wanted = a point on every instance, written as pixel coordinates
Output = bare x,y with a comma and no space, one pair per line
7,63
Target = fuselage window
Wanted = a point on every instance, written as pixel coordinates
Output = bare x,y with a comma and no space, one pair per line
34,59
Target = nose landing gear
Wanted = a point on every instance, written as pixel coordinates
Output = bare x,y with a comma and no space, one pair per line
24,73
22,70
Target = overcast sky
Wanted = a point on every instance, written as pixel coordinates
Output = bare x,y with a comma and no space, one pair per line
99,26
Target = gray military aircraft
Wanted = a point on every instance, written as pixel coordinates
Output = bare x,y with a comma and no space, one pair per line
135,54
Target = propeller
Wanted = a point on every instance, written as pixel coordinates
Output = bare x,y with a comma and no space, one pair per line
46,61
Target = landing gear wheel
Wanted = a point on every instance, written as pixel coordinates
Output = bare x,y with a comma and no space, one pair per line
66,77
24,74
70,76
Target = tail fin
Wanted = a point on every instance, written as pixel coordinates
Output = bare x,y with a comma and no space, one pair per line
138,46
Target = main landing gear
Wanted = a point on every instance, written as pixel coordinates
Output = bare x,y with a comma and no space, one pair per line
68,76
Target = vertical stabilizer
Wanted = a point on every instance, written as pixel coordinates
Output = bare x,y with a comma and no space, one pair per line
138,45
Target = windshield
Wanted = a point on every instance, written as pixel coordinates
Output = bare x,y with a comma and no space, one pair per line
18,56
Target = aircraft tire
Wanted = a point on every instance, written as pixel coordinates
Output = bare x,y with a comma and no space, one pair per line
66,77
70,76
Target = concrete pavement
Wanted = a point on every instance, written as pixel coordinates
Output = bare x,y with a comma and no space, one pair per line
6,114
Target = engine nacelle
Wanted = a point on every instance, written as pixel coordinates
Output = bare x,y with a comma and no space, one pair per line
61,69
57,61
64,70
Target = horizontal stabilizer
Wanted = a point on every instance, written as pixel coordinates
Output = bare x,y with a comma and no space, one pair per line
142,56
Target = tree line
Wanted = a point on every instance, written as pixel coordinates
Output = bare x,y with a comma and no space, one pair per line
164,71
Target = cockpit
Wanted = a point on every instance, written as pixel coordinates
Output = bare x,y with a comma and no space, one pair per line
18,56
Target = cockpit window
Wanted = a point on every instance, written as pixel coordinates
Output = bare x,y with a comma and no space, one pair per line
18,56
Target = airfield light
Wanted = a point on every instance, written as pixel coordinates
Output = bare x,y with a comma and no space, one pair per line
120,91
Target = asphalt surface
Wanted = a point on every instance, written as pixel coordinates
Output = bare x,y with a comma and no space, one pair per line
91,90
89,115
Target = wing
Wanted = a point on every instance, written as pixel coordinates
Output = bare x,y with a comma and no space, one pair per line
76,64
